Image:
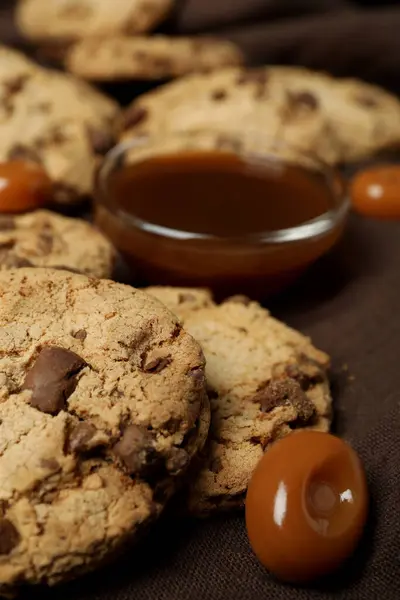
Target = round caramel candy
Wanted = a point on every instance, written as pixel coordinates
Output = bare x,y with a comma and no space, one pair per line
23,186
306,505
376,192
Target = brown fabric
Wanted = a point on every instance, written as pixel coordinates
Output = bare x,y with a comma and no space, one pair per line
349,304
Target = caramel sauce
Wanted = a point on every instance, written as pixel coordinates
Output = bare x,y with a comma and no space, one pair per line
198,219
218,194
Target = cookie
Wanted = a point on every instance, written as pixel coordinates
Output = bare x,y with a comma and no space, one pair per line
102,407
333,119
56,120
45,239
158,57
264,380
66,20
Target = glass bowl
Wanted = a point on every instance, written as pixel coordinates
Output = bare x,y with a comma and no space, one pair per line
161,250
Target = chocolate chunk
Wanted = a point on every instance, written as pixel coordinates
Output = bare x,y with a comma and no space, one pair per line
216,465
284,392
133,116
81,334
258,76
50,463
136,451
239,299
15,85
7,224
305,380
198,375
100,141
367,100
79,437
20,152
52,379
9,537
186,297
3,507
177,461
304,98
219,95
155,365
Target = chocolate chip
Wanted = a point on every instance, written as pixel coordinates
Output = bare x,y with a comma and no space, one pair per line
219,95
239,299
136,450
15,85
81,334
305,380
133,116
284,392
367,100
216,465
229,143
79,437
50,463
7,224
304,98
198,375
100,141
20,152
163,64
259,76
9,537
177,461
52,379
186,297
155,365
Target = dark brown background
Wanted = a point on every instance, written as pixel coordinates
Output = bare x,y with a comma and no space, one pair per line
349,303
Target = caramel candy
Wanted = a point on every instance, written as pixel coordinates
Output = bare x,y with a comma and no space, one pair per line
306,505
23,186
376,192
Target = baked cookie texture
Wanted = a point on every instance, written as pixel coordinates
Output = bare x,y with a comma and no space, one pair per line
46,239
102,407
56,120
156,57
264,380
67,20
337,120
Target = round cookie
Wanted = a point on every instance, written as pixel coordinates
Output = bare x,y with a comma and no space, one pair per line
102,407
264,380
46,239
47,20
56,120
158,57
337,120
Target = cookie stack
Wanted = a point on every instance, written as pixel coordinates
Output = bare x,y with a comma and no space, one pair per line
108,41
105,412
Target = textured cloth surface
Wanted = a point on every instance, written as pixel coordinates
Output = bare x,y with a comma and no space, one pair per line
348,303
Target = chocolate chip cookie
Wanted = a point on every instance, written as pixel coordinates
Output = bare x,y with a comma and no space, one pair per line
55,120
47,20
337,120
158,57
264,380
45,239
102,407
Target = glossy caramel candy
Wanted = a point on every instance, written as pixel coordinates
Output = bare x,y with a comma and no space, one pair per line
24,186
376,192
306,506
